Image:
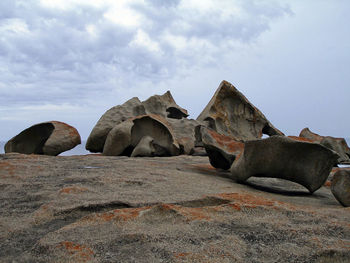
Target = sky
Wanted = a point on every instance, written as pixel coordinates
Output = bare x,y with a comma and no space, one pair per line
72,60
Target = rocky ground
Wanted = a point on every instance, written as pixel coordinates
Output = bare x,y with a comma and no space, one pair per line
94,208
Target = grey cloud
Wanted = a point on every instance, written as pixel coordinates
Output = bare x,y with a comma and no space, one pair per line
58,61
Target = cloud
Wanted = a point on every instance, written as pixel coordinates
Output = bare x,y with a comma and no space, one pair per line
63,51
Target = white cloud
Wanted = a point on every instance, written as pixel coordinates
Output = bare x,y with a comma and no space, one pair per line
91,52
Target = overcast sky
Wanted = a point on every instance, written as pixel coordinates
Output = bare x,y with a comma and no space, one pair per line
71,60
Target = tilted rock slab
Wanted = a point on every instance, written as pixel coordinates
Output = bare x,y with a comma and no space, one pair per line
163,105
308,164
230,113
340,186
49,138
146,135
338,145
222,150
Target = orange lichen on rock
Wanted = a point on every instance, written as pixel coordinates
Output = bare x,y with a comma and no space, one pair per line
241,200
327,183
81,253
230,143
73,190
122,215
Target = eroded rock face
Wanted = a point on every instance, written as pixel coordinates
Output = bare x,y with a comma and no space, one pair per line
49,138
110,119
340,186
338,145
145,135
222,150
184,132
230,113
165,106
308,164
162,105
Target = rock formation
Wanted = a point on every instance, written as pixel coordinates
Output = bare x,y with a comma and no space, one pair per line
340,186
163,106
96,208
230,113
49,138
145,135
222,150
308,164
338,145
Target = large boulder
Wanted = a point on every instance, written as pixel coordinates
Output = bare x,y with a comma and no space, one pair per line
338,145
340,186
145,135
222,150
49,138
230,113
308,164
162,105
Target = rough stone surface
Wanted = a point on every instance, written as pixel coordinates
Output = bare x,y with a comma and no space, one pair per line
184,132
163,105
109,120
49,138
222,150
338,145
340,186
172,209
308,164
230,113
123,138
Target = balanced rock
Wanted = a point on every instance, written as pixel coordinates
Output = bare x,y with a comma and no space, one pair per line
340,186
308,164
338,145
163,105
145,135
222,150
230,113
49,138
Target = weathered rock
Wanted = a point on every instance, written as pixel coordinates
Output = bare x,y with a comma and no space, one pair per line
338,145
340,186
163,105
184,132
230,113
308,164
111,118
49,138
123,138
175,209
222,150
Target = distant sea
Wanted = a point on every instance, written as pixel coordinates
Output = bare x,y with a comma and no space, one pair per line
80,149
77,150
